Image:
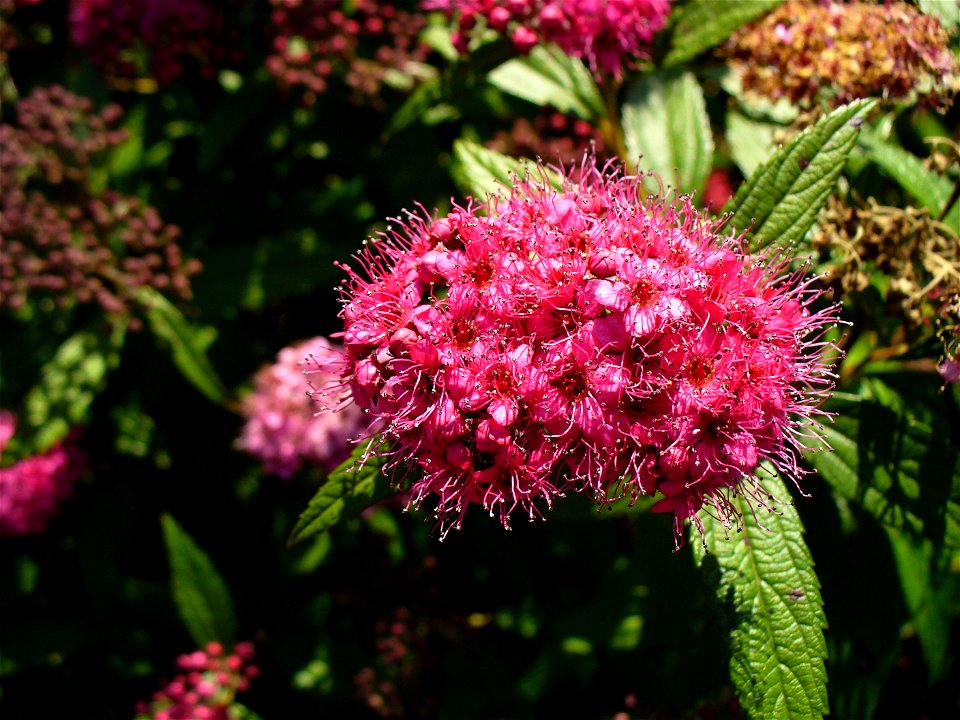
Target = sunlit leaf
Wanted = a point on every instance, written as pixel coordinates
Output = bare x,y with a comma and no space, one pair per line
665,121
348,491
69,382
947,12
751,141
550,77
188,343
703,24
199,592
764,577
780,201
931,190
479,170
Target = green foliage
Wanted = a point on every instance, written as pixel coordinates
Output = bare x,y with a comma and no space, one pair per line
199,592
766,584
69,382
188,343
548,76
780,201
932,191
751,141
930,590
894,456
703,24
481,171
665,124
349,490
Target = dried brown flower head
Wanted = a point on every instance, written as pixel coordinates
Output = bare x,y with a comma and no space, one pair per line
831,52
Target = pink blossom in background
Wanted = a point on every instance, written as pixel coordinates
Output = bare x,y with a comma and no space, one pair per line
206,686
174,34
718,190
33,489
583,339
283,426
609,35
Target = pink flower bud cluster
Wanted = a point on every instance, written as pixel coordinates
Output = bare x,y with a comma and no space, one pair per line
33,489
206,687
589,339
60,238
159,39
283,427
409,657
556,138
608,34
314,40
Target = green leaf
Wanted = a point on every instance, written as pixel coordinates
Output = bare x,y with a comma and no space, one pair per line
480,171
702,24
665,121
550,77
930,189
928,589
781,199
348,491
947,12
900,466
68,384
764,576
751,141
199,592
188,343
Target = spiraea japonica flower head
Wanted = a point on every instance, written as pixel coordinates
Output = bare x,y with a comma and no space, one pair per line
283,427
206,686
588,338
607,34
33,489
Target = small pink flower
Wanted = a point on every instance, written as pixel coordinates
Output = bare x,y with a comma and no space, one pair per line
283,427
206,687
580,339
33,489
609,35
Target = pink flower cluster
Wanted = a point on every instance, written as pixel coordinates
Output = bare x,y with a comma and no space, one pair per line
153,38
33,489
607,34
62,236
283,427
206,688
315,40
588,338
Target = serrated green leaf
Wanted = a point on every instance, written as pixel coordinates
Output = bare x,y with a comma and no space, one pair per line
68,384
480,171
199,592
751,141
187,342
931,190
550,77
702,24
348,491
781,199
900,467
765,577
665,121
